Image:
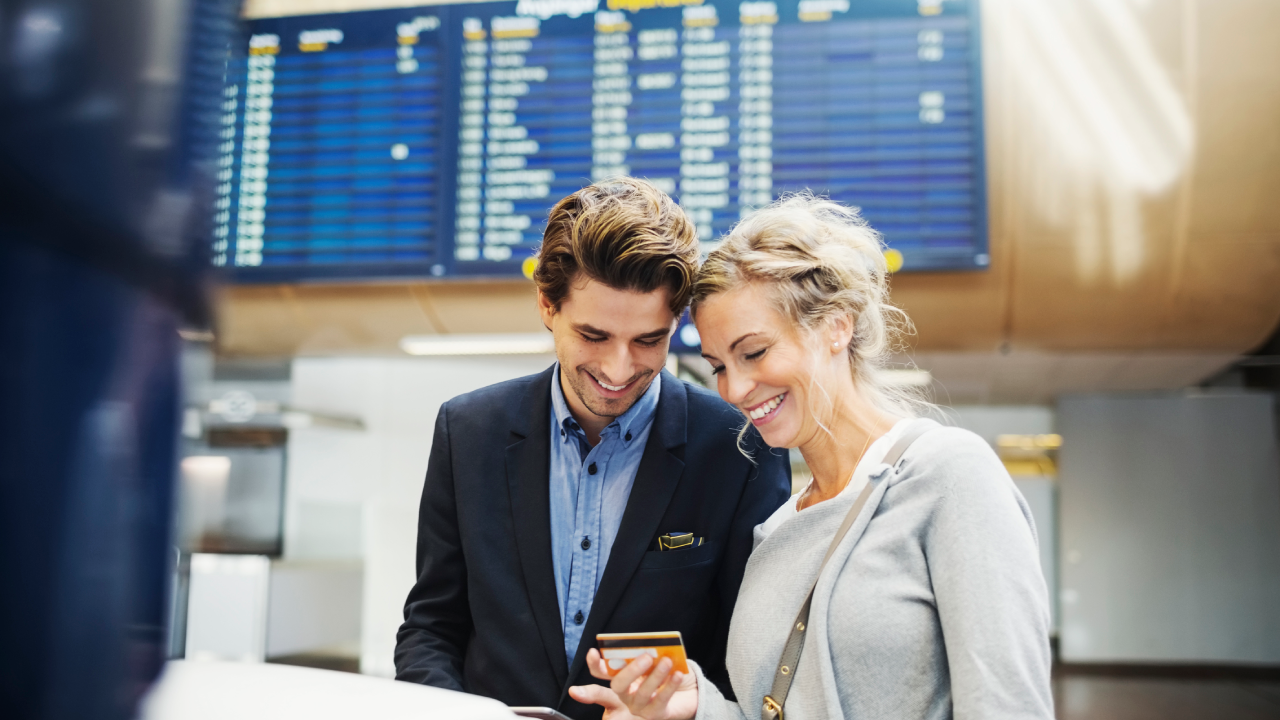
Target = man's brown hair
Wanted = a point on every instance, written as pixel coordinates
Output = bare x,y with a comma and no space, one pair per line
624,233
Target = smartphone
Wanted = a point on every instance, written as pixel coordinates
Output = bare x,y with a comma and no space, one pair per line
541,713
620,648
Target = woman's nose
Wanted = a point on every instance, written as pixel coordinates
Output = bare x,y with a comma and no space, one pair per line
736,386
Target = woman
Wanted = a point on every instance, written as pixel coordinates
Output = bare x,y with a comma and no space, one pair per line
932,605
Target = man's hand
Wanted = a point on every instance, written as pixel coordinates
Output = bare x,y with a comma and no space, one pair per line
641,691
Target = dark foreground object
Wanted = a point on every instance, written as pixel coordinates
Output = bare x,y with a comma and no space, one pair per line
101,239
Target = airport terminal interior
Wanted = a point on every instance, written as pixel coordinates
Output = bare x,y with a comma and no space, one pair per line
251,247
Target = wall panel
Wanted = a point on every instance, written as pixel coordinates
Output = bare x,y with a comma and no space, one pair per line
1170,529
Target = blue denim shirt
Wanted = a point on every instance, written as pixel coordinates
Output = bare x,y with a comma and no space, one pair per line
589,491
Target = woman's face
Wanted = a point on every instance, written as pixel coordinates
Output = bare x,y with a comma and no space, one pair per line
764,365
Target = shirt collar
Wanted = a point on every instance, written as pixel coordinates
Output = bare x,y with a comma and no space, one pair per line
631,422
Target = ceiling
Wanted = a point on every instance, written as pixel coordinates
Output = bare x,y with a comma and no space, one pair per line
1133,152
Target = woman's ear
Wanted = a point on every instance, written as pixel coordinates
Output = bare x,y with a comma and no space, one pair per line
839,333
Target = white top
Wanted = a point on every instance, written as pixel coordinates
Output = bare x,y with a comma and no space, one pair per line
871,460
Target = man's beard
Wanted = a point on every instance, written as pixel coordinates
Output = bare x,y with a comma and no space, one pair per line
607,407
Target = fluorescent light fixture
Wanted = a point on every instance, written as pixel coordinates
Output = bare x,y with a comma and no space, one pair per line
479,344
907,378
206,465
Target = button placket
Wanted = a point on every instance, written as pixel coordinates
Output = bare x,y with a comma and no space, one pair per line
588,512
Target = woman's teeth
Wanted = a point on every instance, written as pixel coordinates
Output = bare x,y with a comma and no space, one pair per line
767,408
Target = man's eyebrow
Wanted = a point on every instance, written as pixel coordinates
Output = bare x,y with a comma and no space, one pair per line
590,330
744,337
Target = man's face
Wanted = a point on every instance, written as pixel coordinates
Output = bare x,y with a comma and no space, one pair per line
610,343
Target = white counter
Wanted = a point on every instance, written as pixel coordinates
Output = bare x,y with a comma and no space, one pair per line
210,690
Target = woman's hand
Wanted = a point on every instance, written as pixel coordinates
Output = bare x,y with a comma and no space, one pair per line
642,690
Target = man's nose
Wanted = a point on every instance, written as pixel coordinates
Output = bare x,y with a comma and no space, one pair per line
616,364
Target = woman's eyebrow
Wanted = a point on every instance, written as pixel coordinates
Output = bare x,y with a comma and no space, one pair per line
744,337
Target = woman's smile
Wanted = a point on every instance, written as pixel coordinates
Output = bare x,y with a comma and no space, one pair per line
766,411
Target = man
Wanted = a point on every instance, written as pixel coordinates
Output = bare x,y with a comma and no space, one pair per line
548,498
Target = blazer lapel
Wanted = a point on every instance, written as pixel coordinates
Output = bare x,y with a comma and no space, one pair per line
659,474
528,465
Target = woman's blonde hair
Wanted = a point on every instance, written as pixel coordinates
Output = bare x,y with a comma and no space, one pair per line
818,260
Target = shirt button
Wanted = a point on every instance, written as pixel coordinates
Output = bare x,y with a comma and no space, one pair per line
628,438
592,469
586,543
577,619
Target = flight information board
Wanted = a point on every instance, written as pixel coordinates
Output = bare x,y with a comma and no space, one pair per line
431,141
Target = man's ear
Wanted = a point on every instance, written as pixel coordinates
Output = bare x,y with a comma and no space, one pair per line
546,309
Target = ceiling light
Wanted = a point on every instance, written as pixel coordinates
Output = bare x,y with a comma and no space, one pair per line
479,344
206,464
907,378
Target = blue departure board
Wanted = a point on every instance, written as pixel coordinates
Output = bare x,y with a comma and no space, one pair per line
430,142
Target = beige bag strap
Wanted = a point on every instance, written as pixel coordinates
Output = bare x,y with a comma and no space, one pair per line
777,697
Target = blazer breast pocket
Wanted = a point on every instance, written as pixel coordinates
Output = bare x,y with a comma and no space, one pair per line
671,559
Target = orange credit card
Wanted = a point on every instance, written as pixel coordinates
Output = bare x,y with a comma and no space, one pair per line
618,649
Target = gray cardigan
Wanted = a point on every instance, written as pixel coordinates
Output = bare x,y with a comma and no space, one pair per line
933,606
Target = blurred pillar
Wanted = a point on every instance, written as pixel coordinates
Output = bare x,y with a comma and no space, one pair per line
102,241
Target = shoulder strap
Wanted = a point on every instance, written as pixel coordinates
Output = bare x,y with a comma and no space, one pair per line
777,696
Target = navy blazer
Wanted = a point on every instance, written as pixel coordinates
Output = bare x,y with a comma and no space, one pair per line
483,615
